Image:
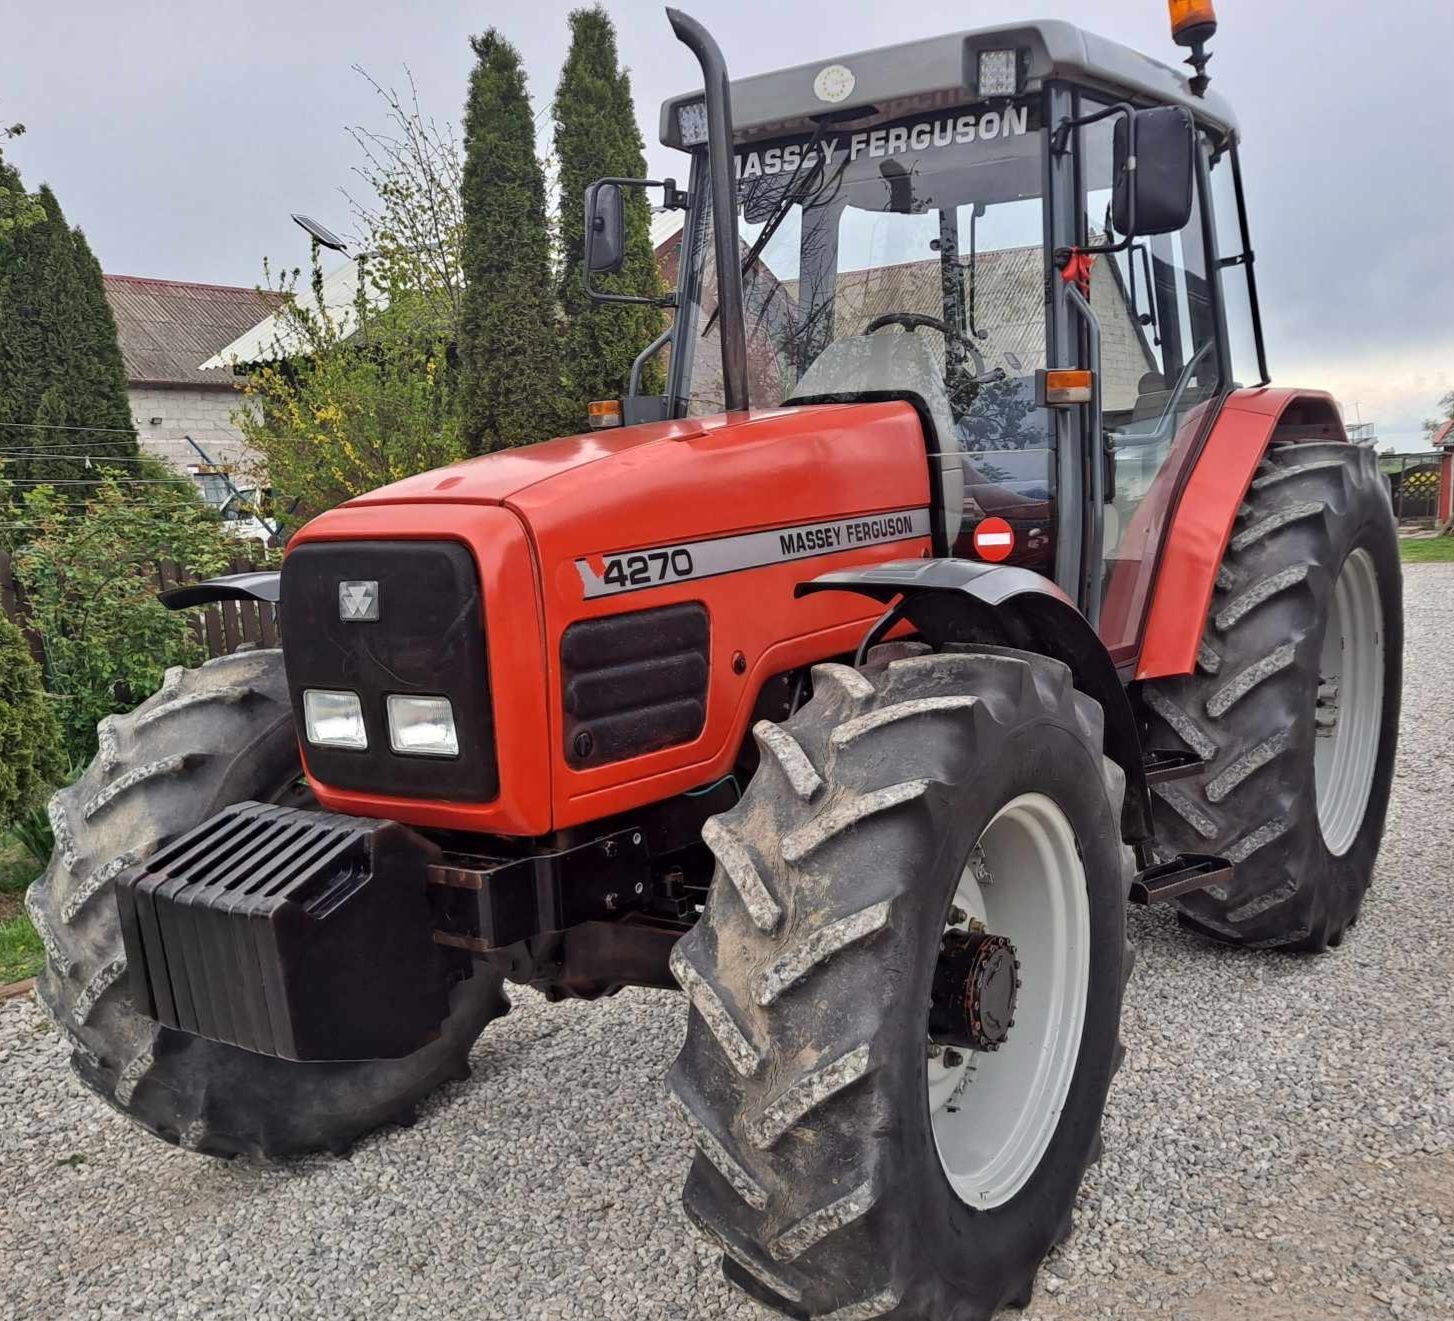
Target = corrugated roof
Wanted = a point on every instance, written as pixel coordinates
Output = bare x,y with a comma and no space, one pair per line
275,337
167,328
665,225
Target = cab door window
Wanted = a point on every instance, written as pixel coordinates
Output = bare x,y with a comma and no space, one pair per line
1160,371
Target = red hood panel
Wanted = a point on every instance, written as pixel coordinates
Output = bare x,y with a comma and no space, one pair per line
494,478
784,486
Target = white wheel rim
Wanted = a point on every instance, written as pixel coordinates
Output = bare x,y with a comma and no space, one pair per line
994,1114
1350,703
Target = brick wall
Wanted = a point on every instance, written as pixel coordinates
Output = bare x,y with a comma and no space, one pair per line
203,414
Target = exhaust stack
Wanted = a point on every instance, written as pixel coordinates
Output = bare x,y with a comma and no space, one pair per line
731,319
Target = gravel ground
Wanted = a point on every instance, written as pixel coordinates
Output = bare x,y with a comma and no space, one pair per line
1278,1145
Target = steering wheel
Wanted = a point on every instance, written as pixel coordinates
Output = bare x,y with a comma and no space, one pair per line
919,321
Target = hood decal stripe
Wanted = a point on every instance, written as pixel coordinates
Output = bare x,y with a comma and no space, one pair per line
638,570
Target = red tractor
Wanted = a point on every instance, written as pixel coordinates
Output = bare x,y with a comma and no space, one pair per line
954,594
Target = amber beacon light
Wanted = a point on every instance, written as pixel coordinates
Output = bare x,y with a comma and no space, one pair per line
1193,24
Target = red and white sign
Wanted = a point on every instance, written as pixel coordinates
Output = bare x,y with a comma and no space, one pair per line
994,540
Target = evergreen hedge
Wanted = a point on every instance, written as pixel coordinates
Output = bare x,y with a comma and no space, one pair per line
596,137
30,741
62,381
507,335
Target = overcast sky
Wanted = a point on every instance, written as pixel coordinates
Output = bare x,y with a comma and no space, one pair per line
180,136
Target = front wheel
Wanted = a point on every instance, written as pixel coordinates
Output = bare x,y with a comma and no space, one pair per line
906,990
212,737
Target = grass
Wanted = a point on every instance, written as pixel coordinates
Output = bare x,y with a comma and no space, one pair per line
1427,550
21,953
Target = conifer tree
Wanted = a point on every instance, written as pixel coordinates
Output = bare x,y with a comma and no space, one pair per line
596,136
62,381
508,342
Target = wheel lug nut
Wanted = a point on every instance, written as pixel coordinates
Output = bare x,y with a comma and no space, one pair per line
952,1059
935,1050
957,916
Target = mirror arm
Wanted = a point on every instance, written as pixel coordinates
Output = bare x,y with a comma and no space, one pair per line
673,199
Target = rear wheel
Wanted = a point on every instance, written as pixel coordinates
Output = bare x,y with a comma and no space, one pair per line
212,737
906,990
1294,704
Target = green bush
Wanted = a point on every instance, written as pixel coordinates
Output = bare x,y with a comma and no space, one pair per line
91,581
30,742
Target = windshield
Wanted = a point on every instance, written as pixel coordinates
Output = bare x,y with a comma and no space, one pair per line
927,234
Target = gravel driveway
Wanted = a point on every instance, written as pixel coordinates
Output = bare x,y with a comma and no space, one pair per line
1278,1145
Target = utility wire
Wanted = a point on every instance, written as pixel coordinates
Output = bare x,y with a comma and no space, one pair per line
97,481
49,426
49,444
63,456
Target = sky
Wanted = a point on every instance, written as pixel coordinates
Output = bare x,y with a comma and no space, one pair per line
180,136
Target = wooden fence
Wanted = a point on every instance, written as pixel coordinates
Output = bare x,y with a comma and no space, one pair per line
1413,482
220,629
224,627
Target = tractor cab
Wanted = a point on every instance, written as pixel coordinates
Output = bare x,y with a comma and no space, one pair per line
961,221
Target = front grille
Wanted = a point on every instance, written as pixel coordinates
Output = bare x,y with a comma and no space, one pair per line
302,935
427,639
634,683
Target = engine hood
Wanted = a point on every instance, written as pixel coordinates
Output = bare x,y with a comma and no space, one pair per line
583,500
720,518
494,478
682,480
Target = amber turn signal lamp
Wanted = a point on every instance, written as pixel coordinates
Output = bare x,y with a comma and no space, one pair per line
1192,21
1062,388
604,413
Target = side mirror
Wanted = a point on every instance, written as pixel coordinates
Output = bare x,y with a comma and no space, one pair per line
605,229
1157,196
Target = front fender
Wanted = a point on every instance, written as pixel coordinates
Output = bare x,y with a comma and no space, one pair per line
963,601
265,587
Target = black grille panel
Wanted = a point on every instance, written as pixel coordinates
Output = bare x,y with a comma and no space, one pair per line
428,640
302,935
634,683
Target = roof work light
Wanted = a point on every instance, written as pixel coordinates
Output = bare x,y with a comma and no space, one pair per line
1193,24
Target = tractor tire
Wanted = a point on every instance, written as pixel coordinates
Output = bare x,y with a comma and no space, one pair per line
1294,704
211,737
807,1077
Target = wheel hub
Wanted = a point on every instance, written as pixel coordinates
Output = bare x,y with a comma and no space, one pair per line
976,981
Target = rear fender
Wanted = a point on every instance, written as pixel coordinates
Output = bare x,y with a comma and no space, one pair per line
963,601
1250,420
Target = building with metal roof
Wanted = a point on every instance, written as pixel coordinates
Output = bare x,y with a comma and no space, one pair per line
183,414
274,338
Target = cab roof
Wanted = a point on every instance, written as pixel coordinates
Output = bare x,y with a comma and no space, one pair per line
940,72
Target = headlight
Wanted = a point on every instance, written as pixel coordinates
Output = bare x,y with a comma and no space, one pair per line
422,726
334,720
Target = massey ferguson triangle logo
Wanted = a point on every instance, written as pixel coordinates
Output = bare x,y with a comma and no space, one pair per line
358,602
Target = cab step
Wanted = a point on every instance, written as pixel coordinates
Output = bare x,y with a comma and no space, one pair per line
1162,764
1182,875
